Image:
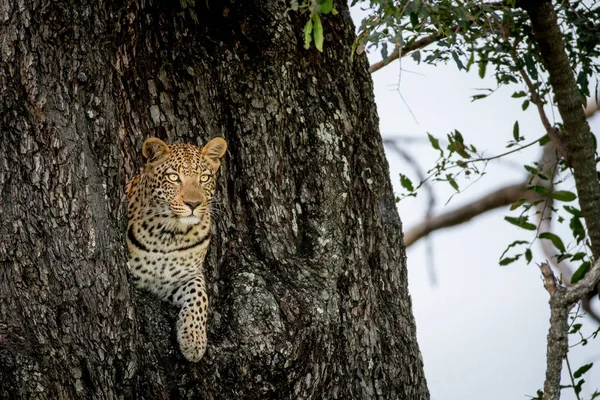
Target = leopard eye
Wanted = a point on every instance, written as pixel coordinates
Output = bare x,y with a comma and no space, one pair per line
204,178
173,177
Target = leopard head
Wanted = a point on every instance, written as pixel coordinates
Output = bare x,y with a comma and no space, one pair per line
181,179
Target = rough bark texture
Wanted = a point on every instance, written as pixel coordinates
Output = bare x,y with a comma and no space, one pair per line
306,273
581,146
557,348
561,301
580,155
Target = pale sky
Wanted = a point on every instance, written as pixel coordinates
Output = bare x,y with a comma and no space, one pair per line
482,328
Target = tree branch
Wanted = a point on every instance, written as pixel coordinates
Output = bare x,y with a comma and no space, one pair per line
399,53
561,300
577,136
498,198
426,40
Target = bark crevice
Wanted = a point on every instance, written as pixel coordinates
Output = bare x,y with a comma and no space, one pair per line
306,273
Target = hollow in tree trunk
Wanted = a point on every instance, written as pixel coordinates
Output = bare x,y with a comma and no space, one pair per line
306,272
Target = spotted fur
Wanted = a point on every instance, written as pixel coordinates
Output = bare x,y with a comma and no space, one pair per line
169,230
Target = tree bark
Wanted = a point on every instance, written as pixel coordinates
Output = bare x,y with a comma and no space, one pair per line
580,143
306,272
580,156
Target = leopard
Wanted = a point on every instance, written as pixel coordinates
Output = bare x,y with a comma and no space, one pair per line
169,207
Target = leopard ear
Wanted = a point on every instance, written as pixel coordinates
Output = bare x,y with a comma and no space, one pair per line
155,150
215,150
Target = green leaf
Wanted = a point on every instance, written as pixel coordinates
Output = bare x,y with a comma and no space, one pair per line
530,66
578,386
563,195
540,394
416,55
457,144
518,204
414,19
334,11
539,189
544,140
577,229
528,255
582,370
406,183
307,33
521,222
509,260
578,256
575,211
457,60
516,131
318,32
459,147
384,53
556,241
471,61
525,105
482,67
326,6
575,328
518,94
458,136
581,271
513,244
452,182
583,82
435,143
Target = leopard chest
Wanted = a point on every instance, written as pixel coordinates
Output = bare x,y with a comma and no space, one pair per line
162,262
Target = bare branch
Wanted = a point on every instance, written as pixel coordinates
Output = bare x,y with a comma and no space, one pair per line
498,198
584,286
550,281
399,53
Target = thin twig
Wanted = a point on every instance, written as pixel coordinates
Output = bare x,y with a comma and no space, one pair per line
399,53
571,376
504,154
427,40
552,132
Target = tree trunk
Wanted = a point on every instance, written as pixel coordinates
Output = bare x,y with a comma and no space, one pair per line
306,273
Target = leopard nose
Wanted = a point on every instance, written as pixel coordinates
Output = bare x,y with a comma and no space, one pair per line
192,204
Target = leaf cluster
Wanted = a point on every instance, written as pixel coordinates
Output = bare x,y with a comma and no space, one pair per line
482,34
313,29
